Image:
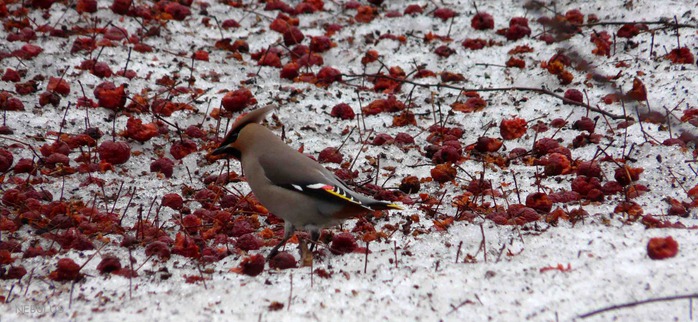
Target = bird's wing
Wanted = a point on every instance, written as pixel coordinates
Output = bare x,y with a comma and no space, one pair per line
306,177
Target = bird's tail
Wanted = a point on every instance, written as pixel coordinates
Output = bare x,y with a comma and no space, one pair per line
382,205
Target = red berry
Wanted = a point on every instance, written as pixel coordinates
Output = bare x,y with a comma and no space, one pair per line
172,200
283,260
343,243
164,166
482,21
114,152
662,248
252,265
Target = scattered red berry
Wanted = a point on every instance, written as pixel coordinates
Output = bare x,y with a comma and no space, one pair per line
662,248
283,260
251,265
330,154
511,129
114,152
237,100
109,264
66,270
343,243
482,21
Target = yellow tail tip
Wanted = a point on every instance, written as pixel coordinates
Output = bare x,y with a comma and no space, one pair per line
394,206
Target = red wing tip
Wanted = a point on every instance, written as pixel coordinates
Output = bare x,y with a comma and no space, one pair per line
320,186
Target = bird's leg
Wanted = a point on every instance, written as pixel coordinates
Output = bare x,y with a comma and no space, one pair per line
314,237
306,255
288,232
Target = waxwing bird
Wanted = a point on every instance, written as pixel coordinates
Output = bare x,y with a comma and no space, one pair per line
289,184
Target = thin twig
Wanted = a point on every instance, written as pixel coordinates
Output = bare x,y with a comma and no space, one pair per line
29,281
70,301
636,303
460,244
366,258
130,275
9,294
493,89
201,274
484,242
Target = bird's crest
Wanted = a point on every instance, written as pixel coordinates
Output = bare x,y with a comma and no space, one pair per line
256,116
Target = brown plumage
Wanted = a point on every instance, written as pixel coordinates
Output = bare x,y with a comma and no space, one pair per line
288,183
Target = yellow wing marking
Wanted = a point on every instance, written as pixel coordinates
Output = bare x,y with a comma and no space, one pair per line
339,193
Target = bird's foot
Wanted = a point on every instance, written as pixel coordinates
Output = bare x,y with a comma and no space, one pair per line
272,253
306,255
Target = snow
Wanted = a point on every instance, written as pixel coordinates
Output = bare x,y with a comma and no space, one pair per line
508,281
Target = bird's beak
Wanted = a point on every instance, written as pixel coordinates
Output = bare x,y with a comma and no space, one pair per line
220,150
226,150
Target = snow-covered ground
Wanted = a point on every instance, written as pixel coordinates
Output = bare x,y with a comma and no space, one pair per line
426,269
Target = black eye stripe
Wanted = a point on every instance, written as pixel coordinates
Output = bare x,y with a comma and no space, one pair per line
230,138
